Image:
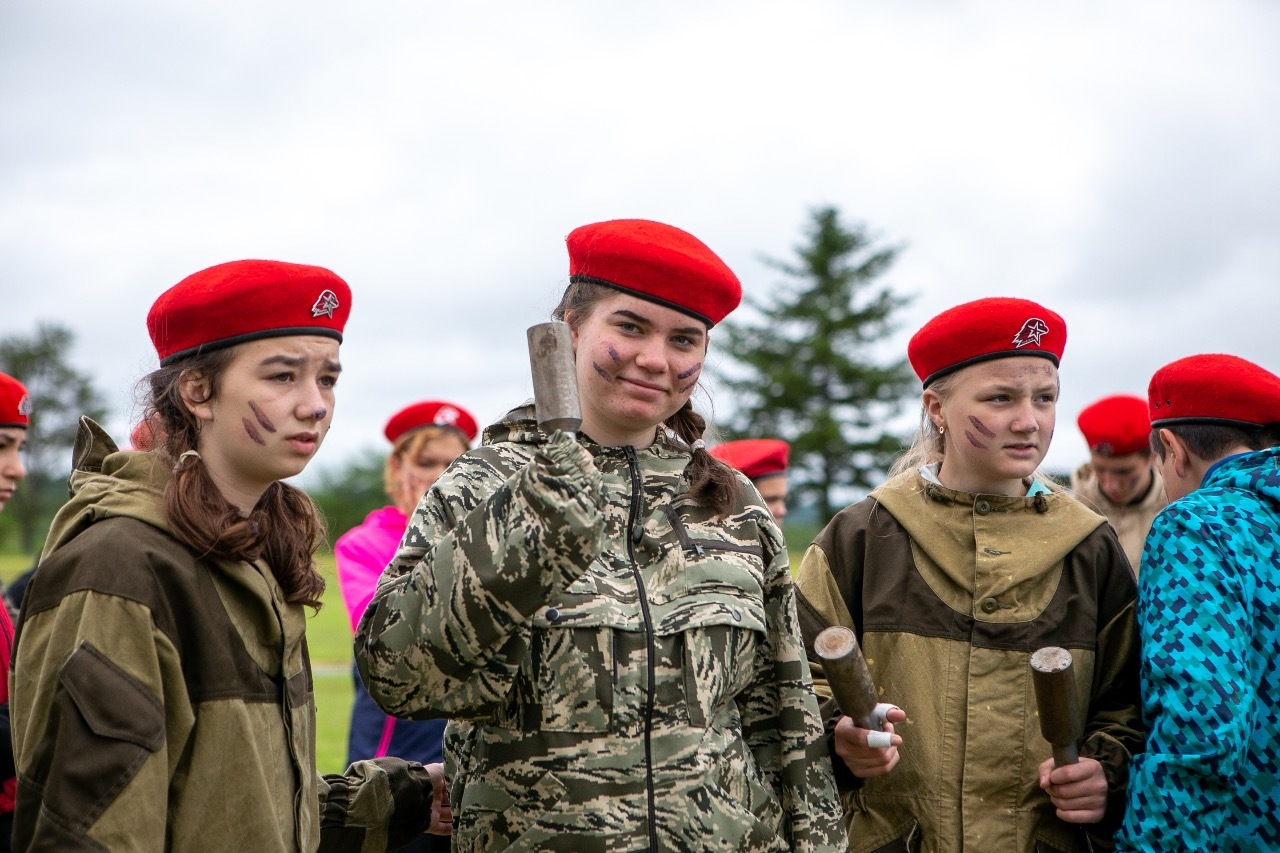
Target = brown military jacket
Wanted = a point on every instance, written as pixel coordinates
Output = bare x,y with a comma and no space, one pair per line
162,700
950,594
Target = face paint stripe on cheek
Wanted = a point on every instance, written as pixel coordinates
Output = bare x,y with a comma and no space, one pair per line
262,417
613,354
974,441
604,374
686,374
981,427
252,431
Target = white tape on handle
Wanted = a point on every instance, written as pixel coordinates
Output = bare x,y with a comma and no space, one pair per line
880,739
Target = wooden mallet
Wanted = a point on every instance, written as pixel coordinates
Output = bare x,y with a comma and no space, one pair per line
1055,687
851,684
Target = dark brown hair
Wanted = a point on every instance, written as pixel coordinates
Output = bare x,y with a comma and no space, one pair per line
283,529
711,482
1209,441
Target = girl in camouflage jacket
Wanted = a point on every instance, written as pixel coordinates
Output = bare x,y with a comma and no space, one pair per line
610,624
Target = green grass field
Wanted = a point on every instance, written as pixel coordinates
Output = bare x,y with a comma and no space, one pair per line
329,639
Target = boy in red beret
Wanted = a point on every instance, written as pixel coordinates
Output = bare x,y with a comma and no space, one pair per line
764,461
1209,615
1121,479
952,573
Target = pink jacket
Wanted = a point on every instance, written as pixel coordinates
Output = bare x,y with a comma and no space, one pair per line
362,553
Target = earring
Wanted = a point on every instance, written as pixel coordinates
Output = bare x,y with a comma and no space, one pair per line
942,429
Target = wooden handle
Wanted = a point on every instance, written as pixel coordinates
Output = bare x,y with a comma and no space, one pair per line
846,670
555,382
1055,687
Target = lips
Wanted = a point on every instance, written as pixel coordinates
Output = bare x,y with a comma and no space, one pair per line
305,441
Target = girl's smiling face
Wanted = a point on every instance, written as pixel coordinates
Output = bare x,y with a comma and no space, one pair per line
637,363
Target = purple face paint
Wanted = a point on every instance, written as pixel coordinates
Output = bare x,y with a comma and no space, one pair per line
974,441
692,370
604,374
252,431
263,420
981,427
684,388
613,354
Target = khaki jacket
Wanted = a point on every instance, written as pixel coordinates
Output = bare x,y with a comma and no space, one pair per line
1132,522
623,670
950,594
163,701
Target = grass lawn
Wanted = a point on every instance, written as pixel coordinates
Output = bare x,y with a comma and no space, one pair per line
329,639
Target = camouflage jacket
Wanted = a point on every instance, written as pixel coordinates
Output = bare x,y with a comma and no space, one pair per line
623,670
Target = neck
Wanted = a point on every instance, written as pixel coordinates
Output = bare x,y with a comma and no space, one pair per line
240,495
605,437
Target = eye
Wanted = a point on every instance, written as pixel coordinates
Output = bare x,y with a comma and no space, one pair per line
684,341
281,377
328,381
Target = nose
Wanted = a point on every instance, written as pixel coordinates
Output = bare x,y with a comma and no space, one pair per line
652,355
1025,420
312,406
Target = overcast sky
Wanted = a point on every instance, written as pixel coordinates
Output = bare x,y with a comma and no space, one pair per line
1116,161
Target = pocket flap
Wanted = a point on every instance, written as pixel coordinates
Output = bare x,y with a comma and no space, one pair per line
113,703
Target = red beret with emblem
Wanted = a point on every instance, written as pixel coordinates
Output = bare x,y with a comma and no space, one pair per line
996,327
243,301
656,262
755,457
15,403
1116,425
1214,389
430,413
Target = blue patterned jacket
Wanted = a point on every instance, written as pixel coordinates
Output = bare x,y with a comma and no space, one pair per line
1209,616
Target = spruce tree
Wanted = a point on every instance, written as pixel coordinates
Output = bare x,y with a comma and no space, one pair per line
807,373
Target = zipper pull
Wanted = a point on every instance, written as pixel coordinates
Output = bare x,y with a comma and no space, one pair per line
637,532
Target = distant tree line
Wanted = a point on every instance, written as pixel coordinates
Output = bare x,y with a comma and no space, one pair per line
801,367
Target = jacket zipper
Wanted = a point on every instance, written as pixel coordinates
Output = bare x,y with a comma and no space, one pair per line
634,532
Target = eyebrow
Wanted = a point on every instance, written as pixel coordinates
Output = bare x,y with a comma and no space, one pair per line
296,361
640,318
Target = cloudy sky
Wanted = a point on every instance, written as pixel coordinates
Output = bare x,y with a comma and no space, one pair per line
1114,160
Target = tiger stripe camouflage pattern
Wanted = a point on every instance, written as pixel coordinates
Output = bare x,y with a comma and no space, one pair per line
622,670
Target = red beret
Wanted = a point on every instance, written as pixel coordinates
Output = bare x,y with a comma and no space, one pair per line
15,403
997,327
245,300
1117,425
148,433
1214,389
656,262
755,457
430,413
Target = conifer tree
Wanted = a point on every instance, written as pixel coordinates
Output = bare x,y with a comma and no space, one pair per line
807,372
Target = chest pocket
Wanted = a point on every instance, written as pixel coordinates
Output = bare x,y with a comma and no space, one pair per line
567,681
719,615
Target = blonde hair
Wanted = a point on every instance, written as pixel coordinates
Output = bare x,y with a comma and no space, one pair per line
411,444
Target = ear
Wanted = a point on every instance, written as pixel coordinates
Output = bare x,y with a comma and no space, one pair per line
1175,451
196,395
932,405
